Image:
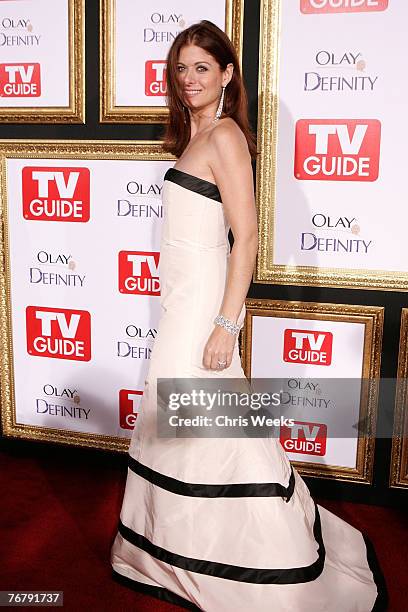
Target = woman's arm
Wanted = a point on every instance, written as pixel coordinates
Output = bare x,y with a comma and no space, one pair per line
230,163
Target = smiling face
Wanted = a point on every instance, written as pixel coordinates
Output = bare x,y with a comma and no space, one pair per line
200,77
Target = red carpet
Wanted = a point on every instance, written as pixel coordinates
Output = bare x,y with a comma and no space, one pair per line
59,516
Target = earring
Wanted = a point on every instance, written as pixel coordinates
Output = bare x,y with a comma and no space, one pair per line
184,113
220,106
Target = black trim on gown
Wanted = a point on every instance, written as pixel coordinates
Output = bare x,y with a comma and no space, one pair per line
222,570
193,183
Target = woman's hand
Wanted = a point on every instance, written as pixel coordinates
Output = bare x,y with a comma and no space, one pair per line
219,347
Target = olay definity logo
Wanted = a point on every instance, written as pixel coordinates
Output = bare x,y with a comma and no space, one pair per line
308,346
337,149
139,272
304,437
20,80
60,333
155,78
56,194
129,406
342,6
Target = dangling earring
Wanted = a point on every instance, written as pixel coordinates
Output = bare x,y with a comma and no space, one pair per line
184,113
220,106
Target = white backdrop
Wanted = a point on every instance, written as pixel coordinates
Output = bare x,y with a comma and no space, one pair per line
342,96
61,268
143,36
34,50
337,352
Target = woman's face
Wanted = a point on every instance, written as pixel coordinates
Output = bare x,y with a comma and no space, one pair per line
200,77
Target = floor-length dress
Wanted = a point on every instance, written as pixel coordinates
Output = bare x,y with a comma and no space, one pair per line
222,524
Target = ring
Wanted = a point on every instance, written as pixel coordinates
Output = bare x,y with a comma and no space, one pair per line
221,363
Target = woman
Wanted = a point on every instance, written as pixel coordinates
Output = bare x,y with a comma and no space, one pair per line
220,524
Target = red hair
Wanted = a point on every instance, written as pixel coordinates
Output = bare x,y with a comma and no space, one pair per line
212,39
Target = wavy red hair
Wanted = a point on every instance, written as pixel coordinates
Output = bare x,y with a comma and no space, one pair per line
213,40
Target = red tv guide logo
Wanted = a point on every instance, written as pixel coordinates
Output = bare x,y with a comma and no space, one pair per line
56,194
303,437
342,6
139,272
59,333
337,149
129,407
307,346
20,80
155,78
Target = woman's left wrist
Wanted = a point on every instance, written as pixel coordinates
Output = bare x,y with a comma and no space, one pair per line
228,324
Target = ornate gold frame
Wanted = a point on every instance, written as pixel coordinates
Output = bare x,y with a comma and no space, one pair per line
75,112
109,112
52,149
399,453
372,317
268,105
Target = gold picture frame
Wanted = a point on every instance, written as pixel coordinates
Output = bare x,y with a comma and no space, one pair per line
109,112
372,317
51,149
75,112
399,452
266,172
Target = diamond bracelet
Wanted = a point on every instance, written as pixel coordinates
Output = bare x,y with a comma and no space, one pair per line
230,326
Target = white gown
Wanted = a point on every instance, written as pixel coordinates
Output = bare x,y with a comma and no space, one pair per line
222,524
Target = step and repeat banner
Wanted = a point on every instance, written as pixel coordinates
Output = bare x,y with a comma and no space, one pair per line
80,294
42,47
135,39
331,176
331,186
326,366
80,243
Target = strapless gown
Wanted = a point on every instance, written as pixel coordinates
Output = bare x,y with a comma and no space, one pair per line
222,524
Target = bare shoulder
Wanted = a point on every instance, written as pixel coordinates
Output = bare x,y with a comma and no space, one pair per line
227,133
229,160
